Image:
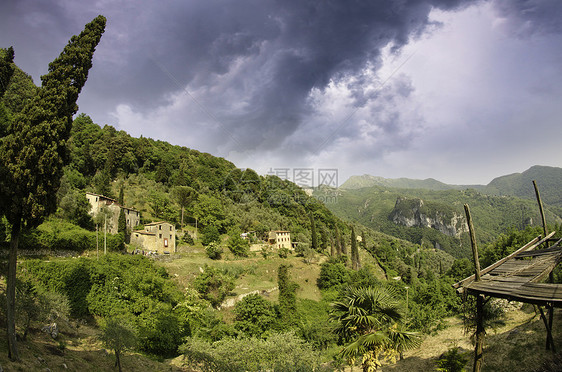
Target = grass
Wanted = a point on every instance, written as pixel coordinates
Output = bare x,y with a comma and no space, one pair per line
74,350
519,345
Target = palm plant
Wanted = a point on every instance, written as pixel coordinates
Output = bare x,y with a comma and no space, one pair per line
369,321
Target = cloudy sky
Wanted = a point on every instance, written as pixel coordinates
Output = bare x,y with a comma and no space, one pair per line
460,91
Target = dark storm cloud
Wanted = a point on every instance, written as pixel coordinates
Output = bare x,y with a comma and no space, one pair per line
158,48
296,46
297,79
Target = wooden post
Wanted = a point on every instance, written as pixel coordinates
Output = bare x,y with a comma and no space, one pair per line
545,228
548,326
473,243
479,347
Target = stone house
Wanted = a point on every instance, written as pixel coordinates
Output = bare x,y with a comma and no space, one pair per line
157,237
97,202
280,239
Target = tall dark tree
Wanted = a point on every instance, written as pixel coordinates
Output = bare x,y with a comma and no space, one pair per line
323,240
34,151
314,237
354,251
6,72
183,195
6,69
339,249
287,296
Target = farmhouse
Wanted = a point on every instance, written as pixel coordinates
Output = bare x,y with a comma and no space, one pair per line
280,238
157,236
98,202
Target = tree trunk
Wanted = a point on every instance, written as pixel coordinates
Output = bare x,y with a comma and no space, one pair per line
117,360
11,292
182,209
478,349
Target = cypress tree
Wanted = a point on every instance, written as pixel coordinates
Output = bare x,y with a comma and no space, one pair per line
6,69
354,251
338,241
287,296
34,151
314,238
6,72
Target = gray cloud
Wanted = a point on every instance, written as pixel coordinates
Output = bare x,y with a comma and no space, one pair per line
289,81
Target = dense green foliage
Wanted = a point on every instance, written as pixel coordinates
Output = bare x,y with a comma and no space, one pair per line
369,323
279,352
254,316
214,284
492,215
120,286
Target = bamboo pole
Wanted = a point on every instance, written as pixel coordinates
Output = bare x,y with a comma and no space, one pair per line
479,347
473,243
539,201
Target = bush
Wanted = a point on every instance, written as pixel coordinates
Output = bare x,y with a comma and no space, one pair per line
452,361
213,285
239,246
279,352
332,274
214,251
188,239
283,252
254,315
210,234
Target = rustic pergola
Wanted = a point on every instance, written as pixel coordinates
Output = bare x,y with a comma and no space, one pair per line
518,277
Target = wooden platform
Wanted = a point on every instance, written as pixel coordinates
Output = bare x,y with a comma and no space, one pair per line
518,276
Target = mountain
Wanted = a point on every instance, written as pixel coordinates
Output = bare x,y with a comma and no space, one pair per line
358,182
548,179
435,218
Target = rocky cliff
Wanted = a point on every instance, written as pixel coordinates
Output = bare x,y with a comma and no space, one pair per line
417,213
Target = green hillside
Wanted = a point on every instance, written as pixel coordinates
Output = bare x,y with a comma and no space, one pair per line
492,215
548,179
358,182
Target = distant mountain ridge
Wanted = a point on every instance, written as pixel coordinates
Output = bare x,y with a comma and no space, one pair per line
549,180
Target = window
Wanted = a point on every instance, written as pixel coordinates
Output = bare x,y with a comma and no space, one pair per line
160,236
160,227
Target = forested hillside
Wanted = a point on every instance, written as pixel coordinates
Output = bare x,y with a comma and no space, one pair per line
516,184
492,215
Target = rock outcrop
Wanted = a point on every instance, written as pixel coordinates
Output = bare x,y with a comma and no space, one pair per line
416,213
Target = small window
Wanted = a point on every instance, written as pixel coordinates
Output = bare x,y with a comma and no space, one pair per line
160,227
160,236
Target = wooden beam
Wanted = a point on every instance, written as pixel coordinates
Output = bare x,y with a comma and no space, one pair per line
473,243
532,244
537,193
549,340
479,347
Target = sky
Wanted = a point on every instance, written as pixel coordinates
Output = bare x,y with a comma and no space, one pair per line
459,91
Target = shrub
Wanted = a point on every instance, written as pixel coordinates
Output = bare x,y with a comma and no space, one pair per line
210,234
239,246
254,315
213,285
283,252
332,274
279,352
214,251
188,239
452,361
